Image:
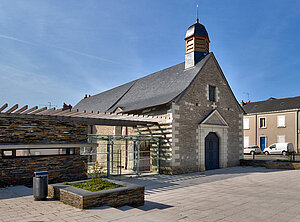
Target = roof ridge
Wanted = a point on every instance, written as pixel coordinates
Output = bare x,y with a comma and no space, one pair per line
267,100
181,94
153,89
135,80
122,95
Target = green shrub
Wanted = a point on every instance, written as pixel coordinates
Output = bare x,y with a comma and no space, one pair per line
95,172
94,185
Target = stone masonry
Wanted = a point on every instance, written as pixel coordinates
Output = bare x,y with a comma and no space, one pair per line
39,129
19,170
129,194
193,107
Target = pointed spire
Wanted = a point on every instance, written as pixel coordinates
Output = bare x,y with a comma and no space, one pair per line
197,15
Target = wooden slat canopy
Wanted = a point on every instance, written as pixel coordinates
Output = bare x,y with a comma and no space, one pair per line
93,118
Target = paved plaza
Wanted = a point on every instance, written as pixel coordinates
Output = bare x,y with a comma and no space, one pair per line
231,194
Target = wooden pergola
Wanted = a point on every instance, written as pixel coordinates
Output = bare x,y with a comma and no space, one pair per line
92,118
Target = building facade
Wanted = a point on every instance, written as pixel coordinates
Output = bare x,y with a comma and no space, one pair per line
272,121
204,126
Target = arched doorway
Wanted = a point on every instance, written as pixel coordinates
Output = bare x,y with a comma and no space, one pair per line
211,151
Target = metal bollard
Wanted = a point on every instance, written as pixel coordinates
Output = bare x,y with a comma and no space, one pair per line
294,155
40,185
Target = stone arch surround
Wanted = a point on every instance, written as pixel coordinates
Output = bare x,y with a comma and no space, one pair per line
222,133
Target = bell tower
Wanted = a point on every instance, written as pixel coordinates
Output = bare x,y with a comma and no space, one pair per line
197,43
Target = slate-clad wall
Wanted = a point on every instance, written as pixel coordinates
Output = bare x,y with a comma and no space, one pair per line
19,170
39,129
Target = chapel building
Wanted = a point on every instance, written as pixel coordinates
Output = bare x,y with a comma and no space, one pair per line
205,126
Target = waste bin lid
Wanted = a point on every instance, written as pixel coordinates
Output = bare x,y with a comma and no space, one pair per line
41,173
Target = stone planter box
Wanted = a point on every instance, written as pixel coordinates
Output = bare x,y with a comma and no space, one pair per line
283,165
269,164
130,194
254,163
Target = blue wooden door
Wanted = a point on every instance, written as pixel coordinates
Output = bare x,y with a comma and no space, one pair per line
211,151
262,143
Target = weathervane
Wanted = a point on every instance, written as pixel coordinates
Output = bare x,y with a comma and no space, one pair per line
197,15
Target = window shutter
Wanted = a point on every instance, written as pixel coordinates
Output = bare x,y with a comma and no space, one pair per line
246,124
281,121
246,141
281,139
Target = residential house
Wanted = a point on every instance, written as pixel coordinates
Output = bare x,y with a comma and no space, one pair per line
272,121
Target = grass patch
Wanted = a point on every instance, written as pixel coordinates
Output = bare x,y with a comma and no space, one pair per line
94,185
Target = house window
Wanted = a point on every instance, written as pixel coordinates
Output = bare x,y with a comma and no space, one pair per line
281,121
212,93
246,141
281,139
262,122
246,124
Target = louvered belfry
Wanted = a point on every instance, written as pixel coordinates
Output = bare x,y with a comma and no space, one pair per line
197,44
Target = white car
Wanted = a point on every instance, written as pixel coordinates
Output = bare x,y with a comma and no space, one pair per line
252,150
279,148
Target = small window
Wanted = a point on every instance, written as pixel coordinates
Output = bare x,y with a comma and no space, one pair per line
262,122
246,124
212,93
246,141
273,146
281,121
281,139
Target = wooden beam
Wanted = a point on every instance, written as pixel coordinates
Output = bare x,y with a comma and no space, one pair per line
46,112
60,112
52,112
21,109
73,113
12,109
30,110
3,107
39,110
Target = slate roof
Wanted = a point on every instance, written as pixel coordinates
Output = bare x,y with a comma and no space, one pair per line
273,104
196,29
155,89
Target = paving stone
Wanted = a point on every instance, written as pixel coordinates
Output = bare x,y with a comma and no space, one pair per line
233,194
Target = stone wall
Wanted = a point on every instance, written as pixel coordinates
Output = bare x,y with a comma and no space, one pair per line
254,163
129,194
19,170
39,129
193,106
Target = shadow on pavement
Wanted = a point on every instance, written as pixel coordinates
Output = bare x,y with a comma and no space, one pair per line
160,183
15,192
149,205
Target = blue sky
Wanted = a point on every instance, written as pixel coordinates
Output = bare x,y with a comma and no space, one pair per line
57,51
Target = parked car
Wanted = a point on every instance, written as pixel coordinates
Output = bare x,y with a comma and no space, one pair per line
252,150
279,148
